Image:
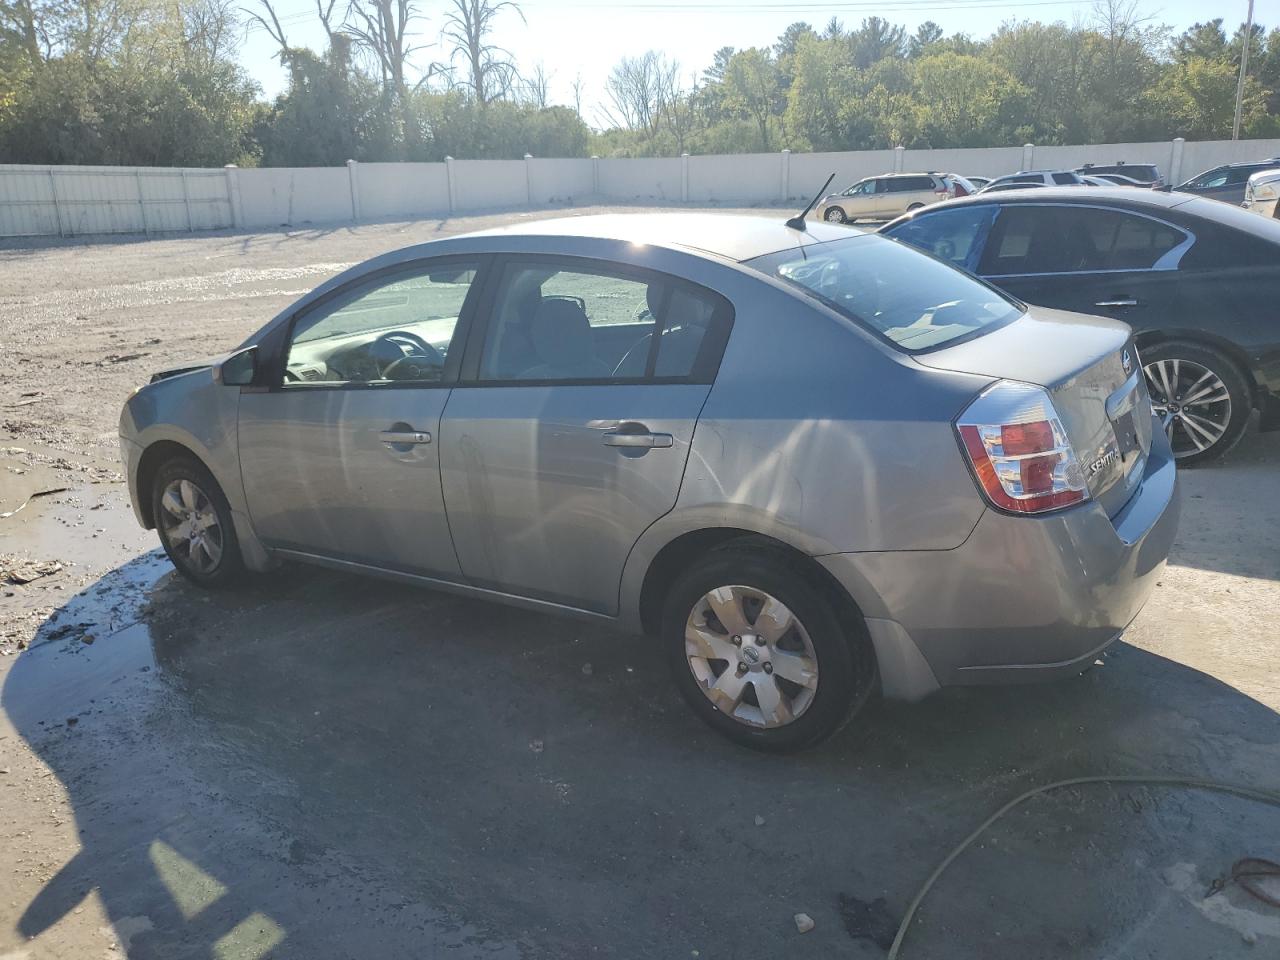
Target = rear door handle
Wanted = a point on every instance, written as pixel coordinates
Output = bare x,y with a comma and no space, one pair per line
404,437
1116,303
634,440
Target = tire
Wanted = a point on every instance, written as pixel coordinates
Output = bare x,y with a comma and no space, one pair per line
915,206
834,215
823,642
211,558
1206,429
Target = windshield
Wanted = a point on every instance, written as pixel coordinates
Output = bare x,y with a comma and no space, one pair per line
913,300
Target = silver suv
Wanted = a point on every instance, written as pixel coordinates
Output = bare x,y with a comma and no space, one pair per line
814,463
885,197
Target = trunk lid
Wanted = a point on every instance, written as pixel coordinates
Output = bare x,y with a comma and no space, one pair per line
1092,373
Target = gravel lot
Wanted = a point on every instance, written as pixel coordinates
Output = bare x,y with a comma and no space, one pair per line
318,767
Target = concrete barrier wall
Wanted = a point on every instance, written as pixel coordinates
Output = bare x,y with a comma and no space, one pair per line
755,177
1199,157
560,181
388,190
651,178
71,201
288,196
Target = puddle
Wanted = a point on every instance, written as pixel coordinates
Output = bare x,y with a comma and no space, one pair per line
65,682
89,529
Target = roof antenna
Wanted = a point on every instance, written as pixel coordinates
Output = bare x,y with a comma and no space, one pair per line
798,222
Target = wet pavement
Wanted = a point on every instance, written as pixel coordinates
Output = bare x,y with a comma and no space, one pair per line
319,766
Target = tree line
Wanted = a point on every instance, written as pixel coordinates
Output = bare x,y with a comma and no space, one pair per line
159,83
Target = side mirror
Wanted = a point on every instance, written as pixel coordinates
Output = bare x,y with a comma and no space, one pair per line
237,370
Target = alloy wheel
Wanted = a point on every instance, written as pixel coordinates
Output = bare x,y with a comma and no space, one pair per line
1192,403
190,525
834,215
751,657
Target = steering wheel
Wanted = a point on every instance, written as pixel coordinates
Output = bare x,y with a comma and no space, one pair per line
421,358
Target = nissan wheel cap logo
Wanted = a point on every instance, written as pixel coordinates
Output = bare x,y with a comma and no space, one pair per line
1126,362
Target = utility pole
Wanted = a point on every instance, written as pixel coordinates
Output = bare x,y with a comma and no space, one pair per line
1244,69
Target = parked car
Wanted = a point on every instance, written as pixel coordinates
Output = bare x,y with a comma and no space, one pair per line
1010,185
1039,178
884,197
978,182
1198,281
958,186
1262,192
1125,174
1227,182
813,463
1118,180
1090,181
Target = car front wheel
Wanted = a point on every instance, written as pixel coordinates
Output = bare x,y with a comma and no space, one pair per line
834,215
761,653
193,520
1201,397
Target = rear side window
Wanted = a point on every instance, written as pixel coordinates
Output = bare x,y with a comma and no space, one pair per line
1031,239
558,321
910,184
913,301
952,234
1238,175
1065,178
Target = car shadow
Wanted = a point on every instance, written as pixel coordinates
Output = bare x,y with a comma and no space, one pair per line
322,766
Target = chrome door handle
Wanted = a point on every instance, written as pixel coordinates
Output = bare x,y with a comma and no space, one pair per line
647,440
1116,303
406,437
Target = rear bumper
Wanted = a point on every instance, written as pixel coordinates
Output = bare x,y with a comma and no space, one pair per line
1024,598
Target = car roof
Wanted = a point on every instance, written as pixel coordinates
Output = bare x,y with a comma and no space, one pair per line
1123,196
732,236
1187,205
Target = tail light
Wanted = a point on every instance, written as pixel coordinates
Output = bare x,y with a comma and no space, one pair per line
1019,452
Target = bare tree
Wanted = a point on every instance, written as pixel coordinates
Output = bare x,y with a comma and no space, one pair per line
325,12
267,19
380,29
490,71
209,27
577,94
537,87
640,90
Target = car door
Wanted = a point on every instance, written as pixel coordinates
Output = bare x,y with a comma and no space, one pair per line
1087,259
340,456
859,200
554,459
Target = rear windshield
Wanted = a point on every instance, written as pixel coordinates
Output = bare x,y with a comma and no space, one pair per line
911,299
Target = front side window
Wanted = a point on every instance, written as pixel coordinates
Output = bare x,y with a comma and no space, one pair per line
1035,239
395,328
555,322
911,300
954,234
861,189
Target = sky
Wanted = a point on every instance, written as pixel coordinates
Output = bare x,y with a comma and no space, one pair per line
572,38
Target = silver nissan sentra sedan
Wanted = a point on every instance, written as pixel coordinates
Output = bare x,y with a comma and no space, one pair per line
814,464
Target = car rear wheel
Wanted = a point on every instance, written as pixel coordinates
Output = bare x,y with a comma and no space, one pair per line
194,522
761,653
834,215
1200,395
914,206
